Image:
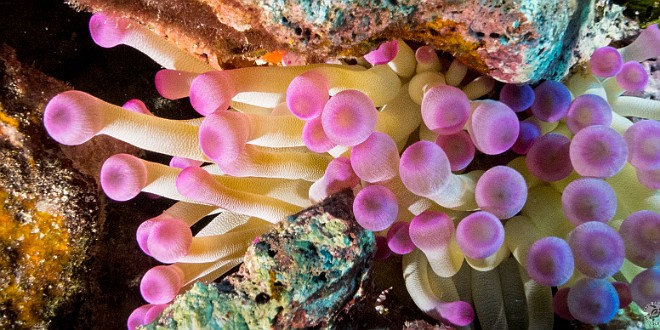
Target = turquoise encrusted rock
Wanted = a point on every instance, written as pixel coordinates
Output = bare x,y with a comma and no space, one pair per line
301,274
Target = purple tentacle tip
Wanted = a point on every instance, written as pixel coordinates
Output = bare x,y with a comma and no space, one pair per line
518,97
598,151
549,157
588,199
605,62
161,284
598,249
593,301
123,176
551,101
445,109
633,77
587,110
349,117
375,208
386,52
108,31
550,261
479,235
501,191
398,238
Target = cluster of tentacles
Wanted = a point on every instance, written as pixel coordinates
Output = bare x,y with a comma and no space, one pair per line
577,209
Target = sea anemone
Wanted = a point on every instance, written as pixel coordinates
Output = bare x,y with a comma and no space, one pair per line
273,140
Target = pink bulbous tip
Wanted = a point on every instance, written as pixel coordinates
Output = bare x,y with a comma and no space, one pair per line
223,135
480,235
623,290
339,175
307,94
431,230
550,261
652,36
161,284
123,176
494,127
549,157
193,182
560,304
349,117
588,199
424,168
593,301
587,110
598,151
376,159
386,52
459,313
445,109
605,62
174,84
551,101
633,77
169,240
211,91
645,287
598,249
382,250
641,233
315,138
143,231
649,178
73,117
518,97
108,31
375,208
398,238
643,140
137,317
154,312
181,162
650,39
459,149
528,134
501,191
137,106
426,55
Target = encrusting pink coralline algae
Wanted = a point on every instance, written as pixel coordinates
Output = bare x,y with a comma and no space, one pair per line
578,209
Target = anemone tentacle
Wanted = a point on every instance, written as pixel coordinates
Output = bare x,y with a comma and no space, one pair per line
276,139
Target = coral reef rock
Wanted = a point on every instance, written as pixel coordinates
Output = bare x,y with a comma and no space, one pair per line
50,205
304,273
512,40
47,209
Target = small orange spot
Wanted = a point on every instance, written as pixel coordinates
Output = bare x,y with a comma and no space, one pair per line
274,57
8,120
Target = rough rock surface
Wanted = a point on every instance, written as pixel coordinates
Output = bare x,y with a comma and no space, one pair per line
301,274
49,208
511,40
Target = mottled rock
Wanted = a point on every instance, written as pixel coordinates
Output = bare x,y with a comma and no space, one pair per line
301,274
50,206
47,209
511,40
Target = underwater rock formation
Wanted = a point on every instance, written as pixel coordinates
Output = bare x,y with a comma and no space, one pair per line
50,207
300,274
512,41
